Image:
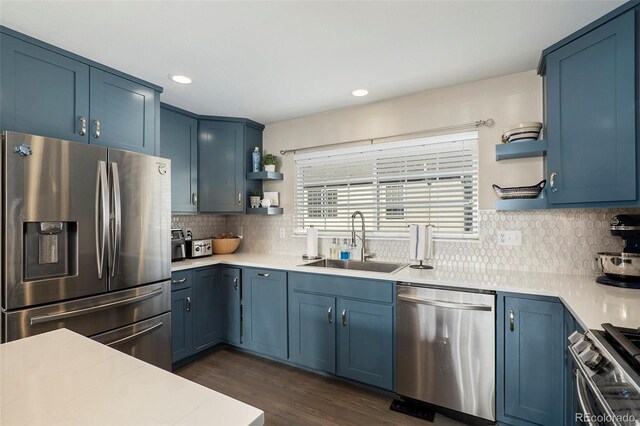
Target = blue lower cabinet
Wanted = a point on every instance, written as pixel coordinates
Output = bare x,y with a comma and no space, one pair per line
312,331
181,324
531,361
264,301
365,342
230,296
207,308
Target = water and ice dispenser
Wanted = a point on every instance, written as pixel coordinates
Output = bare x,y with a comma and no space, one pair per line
50,250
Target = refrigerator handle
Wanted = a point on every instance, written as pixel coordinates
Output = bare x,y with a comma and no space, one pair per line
102,215
116,228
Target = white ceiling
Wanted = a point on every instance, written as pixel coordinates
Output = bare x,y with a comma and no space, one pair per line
270,61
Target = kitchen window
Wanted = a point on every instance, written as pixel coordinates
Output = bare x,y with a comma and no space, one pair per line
429,180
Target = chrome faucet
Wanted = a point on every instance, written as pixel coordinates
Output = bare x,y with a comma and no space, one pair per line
363,251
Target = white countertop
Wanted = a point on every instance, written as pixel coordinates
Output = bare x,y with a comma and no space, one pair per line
63,378
590,303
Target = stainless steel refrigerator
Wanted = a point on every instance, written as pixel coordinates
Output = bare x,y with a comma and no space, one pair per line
86,244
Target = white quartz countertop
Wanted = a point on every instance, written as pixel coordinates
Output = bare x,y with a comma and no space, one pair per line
590,303
63,378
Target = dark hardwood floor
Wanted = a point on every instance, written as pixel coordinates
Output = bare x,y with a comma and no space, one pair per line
292,396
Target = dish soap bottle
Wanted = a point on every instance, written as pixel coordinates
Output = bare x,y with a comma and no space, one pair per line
345,253
255,159
333,250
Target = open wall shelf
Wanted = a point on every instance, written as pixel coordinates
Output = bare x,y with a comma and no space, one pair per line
265,211
539,203
508,151
265,176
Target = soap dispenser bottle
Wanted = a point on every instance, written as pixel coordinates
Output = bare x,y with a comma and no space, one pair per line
345,252
334,253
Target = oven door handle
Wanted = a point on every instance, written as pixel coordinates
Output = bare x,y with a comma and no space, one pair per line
581,390
136,335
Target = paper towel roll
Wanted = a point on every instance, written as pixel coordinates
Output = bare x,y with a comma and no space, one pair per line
312,242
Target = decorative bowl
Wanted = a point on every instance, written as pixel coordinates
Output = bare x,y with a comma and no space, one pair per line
225,245
529,130
516,192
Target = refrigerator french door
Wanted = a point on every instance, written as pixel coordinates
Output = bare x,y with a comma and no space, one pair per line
86,239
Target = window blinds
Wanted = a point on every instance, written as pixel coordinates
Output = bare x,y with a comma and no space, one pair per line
431,180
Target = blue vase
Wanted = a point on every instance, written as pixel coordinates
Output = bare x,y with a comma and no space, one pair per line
256,157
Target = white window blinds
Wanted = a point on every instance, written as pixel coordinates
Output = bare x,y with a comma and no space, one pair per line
431,180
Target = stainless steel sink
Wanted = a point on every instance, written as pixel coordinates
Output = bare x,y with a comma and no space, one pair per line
357,265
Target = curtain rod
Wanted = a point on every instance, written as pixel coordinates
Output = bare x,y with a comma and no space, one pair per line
489,122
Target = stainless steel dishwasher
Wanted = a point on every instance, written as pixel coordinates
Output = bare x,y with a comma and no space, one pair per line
445,349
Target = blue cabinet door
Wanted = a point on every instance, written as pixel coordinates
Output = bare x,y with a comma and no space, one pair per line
43,92
221,167
206,308
531,339
570,394
365,342
230,299
124,114
312,331
179,143
591,116
181,324
264,301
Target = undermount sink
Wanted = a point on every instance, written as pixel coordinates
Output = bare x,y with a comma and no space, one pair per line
357,265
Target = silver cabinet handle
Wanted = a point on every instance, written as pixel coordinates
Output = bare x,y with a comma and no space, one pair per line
512,325
441,304
188,304
552,181
83,125
235,283
263,274
116,230
96,125
137,335
239,198
344,317
62,315
180,281
330,315
102,215
194,198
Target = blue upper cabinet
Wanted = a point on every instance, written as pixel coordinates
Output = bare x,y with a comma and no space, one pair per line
179,143
264,311
530,361
591,115
221,167
123,113
51,92
43,92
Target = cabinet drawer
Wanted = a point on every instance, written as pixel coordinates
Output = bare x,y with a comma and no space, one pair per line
181,279
356,288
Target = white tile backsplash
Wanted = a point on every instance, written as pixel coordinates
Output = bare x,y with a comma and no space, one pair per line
564,241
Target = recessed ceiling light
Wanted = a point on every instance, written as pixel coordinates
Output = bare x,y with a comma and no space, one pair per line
179,78
360,92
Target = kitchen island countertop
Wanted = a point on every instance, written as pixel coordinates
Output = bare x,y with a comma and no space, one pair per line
589,302
63,378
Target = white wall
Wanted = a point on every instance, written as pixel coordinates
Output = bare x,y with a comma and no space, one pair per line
508,100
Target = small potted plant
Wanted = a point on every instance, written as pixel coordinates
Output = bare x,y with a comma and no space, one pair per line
254,199
269,162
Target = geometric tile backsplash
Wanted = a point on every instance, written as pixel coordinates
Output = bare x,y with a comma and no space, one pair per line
563,241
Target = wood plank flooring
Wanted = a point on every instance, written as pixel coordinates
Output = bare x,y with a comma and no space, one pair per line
292,396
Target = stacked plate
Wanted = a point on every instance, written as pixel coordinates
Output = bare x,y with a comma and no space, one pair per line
522,132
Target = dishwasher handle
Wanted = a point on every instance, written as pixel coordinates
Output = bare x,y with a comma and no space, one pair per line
443,304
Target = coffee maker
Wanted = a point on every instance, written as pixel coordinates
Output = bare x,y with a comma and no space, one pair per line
622,269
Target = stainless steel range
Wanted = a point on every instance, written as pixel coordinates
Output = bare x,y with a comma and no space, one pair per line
607,375
86,244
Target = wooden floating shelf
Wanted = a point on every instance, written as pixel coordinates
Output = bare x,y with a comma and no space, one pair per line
265,211
508,151
265,176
